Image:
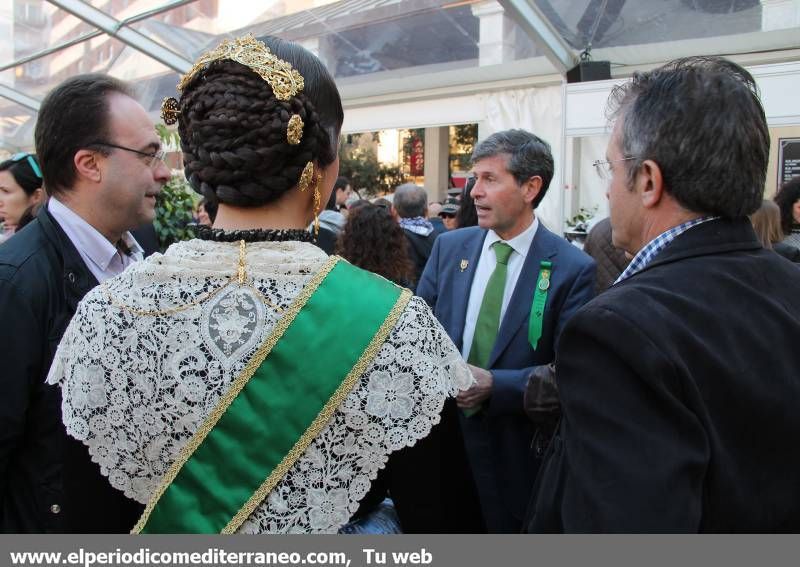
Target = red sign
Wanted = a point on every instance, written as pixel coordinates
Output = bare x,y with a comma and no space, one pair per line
416,160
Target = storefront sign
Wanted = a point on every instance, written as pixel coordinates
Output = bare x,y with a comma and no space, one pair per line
788,159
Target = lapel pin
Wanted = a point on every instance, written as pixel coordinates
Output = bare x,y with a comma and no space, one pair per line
463,265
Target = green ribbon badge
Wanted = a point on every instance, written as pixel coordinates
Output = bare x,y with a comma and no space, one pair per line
539,301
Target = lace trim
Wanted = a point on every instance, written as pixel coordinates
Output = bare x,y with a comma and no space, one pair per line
227,398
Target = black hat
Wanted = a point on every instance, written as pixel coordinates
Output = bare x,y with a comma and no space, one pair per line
450,207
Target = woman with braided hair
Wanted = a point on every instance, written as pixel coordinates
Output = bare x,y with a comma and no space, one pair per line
244,381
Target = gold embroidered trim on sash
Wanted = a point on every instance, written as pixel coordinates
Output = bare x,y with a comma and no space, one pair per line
236,387
324,415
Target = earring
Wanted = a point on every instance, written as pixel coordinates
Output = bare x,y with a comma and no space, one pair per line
307,177
317,205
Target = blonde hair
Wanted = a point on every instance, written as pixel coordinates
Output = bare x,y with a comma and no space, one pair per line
767,223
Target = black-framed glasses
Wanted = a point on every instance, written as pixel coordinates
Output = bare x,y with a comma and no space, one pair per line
153,158
31,162
603,166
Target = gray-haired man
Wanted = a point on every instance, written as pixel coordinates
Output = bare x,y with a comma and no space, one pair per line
411,205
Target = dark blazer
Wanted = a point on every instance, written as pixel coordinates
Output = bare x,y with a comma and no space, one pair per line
47,481
446,287
680,390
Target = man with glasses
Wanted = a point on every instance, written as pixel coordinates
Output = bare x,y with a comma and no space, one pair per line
680,384
503,290
103,167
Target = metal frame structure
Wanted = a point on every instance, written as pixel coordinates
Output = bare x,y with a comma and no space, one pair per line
538,19
20,98
105,24
525,12
126,35
531,19
93,34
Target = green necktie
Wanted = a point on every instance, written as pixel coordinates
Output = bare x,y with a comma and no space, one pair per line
488,322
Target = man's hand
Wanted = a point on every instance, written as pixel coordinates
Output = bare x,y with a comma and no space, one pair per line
479,392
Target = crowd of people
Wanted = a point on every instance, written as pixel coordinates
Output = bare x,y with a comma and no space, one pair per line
316,362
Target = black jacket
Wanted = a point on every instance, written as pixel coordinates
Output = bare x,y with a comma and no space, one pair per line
419,250
680,389
787,251
47,481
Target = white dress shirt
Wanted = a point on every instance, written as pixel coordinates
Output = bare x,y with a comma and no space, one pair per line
483,271
102,258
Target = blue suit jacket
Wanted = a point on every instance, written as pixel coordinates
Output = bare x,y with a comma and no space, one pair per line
446,288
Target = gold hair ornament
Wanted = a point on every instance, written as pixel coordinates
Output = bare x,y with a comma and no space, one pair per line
294,130
307,177
285,81
169,110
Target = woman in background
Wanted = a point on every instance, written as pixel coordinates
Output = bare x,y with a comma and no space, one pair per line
373,241
788,199
767,224
20,191
206,212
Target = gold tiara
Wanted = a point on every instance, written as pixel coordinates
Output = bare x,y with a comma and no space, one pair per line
285,81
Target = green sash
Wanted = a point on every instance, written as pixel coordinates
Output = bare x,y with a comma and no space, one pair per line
286,395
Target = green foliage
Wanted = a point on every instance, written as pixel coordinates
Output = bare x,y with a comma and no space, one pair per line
462,143
466,134
175,204
580,221
168,137
360,165
389,177
174,211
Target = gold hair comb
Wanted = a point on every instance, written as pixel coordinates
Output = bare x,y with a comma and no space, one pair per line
285,81
294,130
169,110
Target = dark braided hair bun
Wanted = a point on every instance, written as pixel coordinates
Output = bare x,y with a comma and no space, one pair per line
233,136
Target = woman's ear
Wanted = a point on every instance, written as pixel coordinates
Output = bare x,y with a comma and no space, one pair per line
37,197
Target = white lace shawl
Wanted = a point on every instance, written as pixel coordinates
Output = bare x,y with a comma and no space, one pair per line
136,387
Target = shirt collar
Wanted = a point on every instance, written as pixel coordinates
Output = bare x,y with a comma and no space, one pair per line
647,254
88,239
521,243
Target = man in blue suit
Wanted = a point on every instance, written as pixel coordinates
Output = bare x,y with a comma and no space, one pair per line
503,291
